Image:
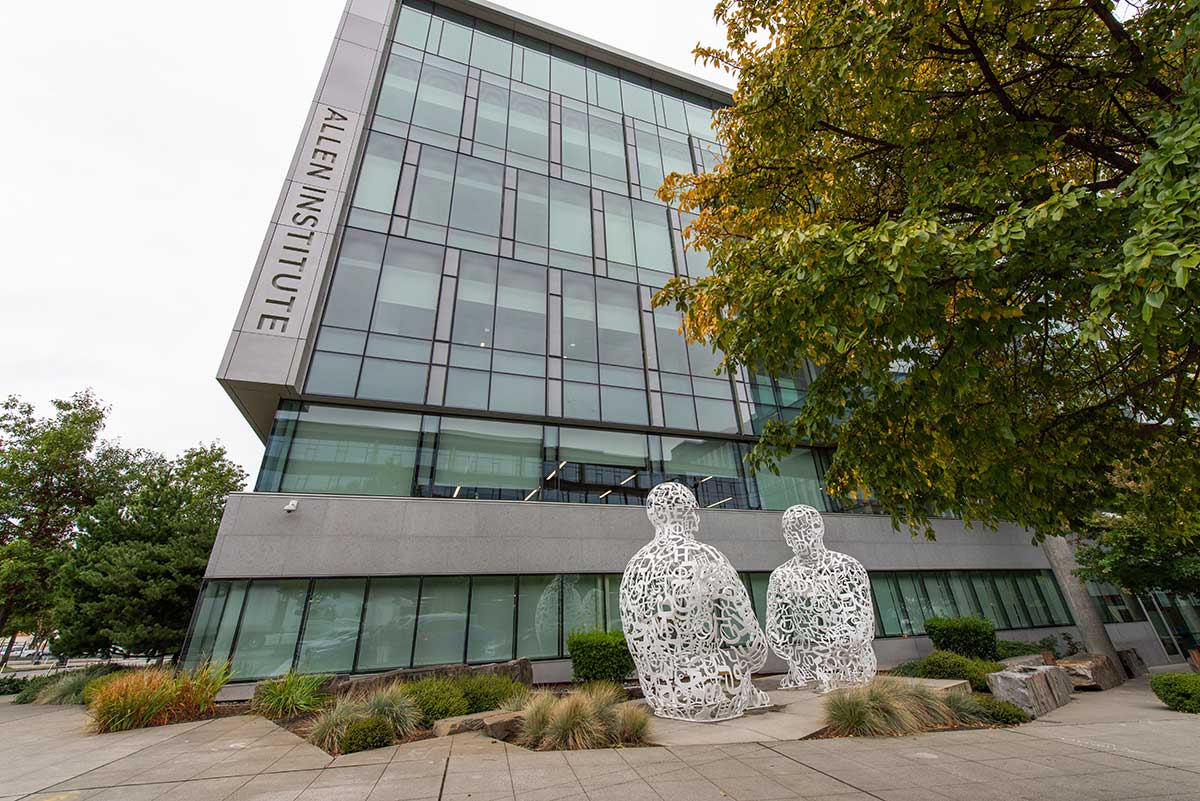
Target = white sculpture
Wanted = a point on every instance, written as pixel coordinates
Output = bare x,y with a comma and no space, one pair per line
688,620
819,614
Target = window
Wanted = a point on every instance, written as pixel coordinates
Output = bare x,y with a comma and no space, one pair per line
620,338
475,305
567,75
579,317
529,125
399,89
712,468
477,188
441,621
653,237
607,148
637,100
440,100
538,616
389,619
383,379
332,374
491,54
521,308
407,300
650,168
345,451
266,640
798,481
413,27
475,454
570,217
216,622
533,209
618,229
435,183
331,626
355,279
575,139
491,115
380,173
583,604
490,633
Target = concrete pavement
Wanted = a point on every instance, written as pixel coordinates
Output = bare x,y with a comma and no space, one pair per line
1121,744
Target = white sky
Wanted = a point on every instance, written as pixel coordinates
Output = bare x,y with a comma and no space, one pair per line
143,147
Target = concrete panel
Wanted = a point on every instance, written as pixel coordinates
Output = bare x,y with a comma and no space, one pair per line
334,535
362,31
347,81
259,358
1142,637
377,10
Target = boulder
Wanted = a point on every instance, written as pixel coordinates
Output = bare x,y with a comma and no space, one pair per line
1131,660
1092,671
1035,689
498,724
1031,660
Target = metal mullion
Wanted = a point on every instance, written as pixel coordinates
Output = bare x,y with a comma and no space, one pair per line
412,650
362,615
303,623
237,631
561,637
467,620
1045,603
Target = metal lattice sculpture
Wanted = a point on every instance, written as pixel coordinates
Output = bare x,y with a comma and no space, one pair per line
819,614
688,619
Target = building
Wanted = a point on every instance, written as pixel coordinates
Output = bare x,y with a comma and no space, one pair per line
449,349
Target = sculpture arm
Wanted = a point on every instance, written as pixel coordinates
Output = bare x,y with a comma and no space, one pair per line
781,618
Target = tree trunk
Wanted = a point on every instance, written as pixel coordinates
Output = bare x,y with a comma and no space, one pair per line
8,649
1061,555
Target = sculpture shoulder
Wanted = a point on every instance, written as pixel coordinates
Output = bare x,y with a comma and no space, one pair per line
846,563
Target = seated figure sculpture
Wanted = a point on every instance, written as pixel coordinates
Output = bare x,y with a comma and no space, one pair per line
819,614
688,619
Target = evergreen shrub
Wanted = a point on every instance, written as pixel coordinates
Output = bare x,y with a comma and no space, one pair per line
599,655
969,636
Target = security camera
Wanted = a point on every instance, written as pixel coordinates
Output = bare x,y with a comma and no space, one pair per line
291,506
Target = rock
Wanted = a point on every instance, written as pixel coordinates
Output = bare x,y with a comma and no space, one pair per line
1092,671
1031,660
502,725
517,669
1131,660
1036,689
458,724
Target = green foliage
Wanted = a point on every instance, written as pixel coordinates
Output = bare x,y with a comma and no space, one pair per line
393,704
33,685
1004,713
966,707
69,687
1005,649
437,698
11,685
330,724
910,669
367,733
156,697
999,197
1179,691
598,654
970,636
595,716
131,580
290,694
484,692
517,701
947,664
1050,643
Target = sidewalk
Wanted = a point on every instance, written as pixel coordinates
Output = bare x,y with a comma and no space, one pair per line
1121,744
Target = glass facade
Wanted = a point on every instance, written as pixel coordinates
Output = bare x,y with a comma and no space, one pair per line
361,624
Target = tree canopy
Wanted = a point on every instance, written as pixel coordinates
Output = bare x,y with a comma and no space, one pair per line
980,220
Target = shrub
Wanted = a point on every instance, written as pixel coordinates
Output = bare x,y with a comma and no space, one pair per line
1006,649
1179,691
367,733
1004,713
330,724
948,665
290,694
485,693
599,655
68,689
155,697
537,716
573,725
1050,643
887,707
517,701
393,704
11,685
92,687
969,636
910,669
633,724
967,707
34,685
437,699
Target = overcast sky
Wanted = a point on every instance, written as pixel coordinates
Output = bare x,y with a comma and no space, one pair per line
144,147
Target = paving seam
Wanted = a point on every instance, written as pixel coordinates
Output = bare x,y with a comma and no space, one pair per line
1103,748
827,775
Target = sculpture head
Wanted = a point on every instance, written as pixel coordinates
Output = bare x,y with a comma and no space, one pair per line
672,509
804,530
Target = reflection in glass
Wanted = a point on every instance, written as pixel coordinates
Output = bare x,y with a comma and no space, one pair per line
331,626
266,641
441,621
388,622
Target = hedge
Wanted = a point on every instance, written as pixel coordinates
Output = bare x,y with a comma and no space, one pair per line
1179,691
599,655
969,636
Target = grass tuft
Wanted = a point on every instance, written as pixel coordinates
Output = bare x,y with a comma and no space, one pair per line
290,694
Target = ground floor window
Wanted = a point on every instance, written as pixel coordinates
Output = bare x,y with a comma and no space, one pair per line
266,627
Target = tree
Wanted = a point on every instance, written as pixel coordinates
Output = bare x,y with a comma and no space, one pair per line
1151,543
980,221
131,580
51,469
